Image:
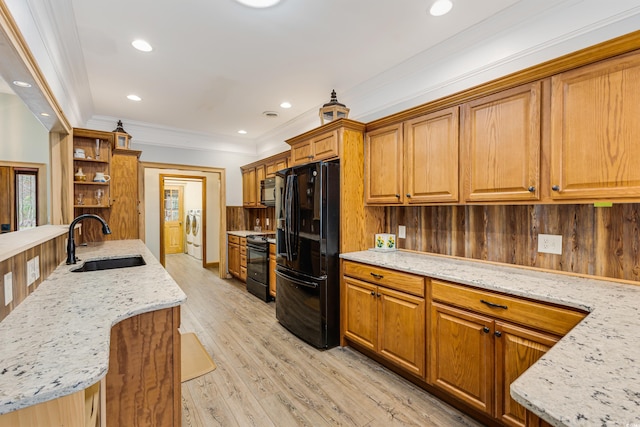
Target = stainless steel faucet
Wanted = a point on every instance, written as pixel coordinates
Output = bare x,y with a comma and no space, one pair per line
71,244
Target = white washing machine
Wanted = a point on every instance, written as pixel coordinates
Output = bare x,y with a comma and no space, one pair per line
196,230
188,228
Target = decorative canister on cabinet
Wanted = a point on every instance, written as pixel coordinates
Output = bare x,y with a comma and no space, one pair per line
385,242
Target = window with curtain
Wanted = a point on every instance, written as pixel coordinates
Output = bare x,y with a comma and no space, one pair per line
26,185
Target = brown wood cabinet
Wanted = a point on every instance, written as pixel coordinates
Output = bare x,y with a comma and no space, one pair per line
414,162
501,134
274,166
595,131
272,270
249,193
481,341
321,147
125,202
243,259
233,254
385,313
94,160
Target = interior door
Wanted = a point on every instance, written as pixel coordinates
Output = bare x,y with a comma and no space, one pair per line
173,215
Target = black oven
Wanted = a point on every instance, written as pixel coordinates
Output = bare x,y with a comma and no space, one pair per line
258,267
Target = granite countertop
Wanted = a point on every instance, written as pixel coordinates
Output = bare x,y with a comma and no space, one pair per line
272,240
591,377
247,233
56,342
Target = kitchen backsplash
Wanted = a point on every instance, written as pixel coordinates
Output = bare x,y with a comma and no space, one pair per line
239,218
596,241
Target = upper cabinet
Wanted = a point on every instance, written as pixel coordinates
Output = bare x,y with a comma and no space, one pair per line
321,147
501,138
249,187
595,131
254,173
414,162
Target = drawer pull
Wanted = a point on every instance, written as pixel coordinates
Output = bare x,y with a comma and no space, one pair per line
486,330
498,334
377,276
493,304
373,294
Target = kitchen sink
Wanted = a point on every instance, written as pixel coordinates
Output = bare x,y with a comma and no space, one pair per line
111,263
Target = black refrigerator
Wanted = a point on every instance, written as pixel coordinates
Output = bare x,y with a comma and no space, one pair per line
307,249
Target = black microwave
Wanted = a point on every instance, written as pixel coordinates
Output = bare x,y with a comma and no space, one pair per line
268,192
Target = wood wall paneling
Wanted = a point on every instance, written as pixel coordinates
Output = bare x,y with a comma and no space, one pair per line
596,241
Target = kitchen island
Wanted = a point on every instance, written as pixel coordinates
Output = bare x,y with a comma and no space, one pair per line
591,376
57,342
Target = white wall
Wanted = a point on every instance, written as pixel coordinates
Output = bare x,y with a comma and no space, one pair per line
23,138
152,207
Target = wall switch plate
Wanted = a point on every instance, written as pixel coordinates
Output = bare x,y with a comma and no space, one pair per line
36,266
31,272
267,222
550,244
402,232
8,288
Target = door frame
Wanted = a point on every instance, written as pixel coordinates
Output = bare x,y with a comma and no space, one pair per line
192,171
203,179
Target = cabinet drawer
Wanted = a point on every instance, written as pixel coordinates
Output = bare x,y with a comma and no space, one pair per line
400,281
243,250
234,239
243,260
537,315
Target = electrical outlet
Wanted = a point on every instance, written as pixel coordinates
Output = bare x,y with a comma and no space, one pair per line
267,222
36,266
402,232
550,244
31,273
8,288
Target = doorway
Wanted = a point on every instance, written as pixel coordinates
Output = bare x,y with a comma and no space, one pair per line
183,216
214,217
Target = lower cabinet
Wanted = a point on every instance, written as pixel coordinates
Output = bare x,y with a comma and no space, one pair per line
469,343
233,254
385,320
272,270
243,259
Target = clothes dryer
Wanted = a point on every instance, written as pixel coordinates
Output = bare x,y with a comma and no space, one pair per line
196,230
188,228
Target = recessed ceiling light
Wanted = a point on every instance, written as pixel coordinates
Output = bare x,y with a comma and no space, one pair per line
259,4
44,114
21,84
242,132
286,105
142,45
134,97
441,7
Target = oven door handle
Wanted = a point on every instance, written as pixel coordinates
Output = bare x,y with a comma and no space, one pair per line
297,281
256,248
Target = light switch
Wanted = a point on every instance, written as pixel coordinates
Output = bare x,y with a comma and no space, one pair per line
8,288
402,232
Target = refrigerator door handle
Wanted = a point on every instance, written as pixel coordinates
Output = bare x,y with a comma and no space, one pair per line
297,281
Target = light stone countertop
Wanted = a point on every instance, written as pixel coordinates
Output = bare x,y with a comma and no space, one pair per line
56,342
591,377
247,233
19,241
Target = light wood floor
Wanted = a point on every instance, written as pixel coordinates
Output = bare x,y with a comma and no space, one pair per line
268,377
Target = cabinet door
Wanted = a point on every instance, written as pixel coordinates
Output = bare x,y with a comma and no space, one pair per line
461,355
123,218
260,175
383,166
272,273
325,146
234,259
361,312
516,349
431,162
249,187
595,130
301,153
501,133
401,330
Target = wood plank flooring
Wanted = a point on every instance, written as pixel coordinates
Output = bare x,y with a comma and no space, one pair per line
268,377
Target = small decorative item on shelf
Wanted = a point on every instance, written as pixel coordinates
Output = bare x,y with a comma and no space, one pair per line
122,137
97,156
80,176
101,177
385,242
80,199
78,153
99,196
333,110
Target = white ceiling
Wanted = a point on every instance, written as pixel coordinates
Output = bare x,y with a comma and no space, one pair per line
218,65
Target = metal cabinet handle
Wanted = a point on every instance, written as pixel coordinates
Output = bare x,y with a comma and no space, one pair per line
498,334
398,196
556,188
408,195
493,304
373,293
532,189
377,276
378,295
486,330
